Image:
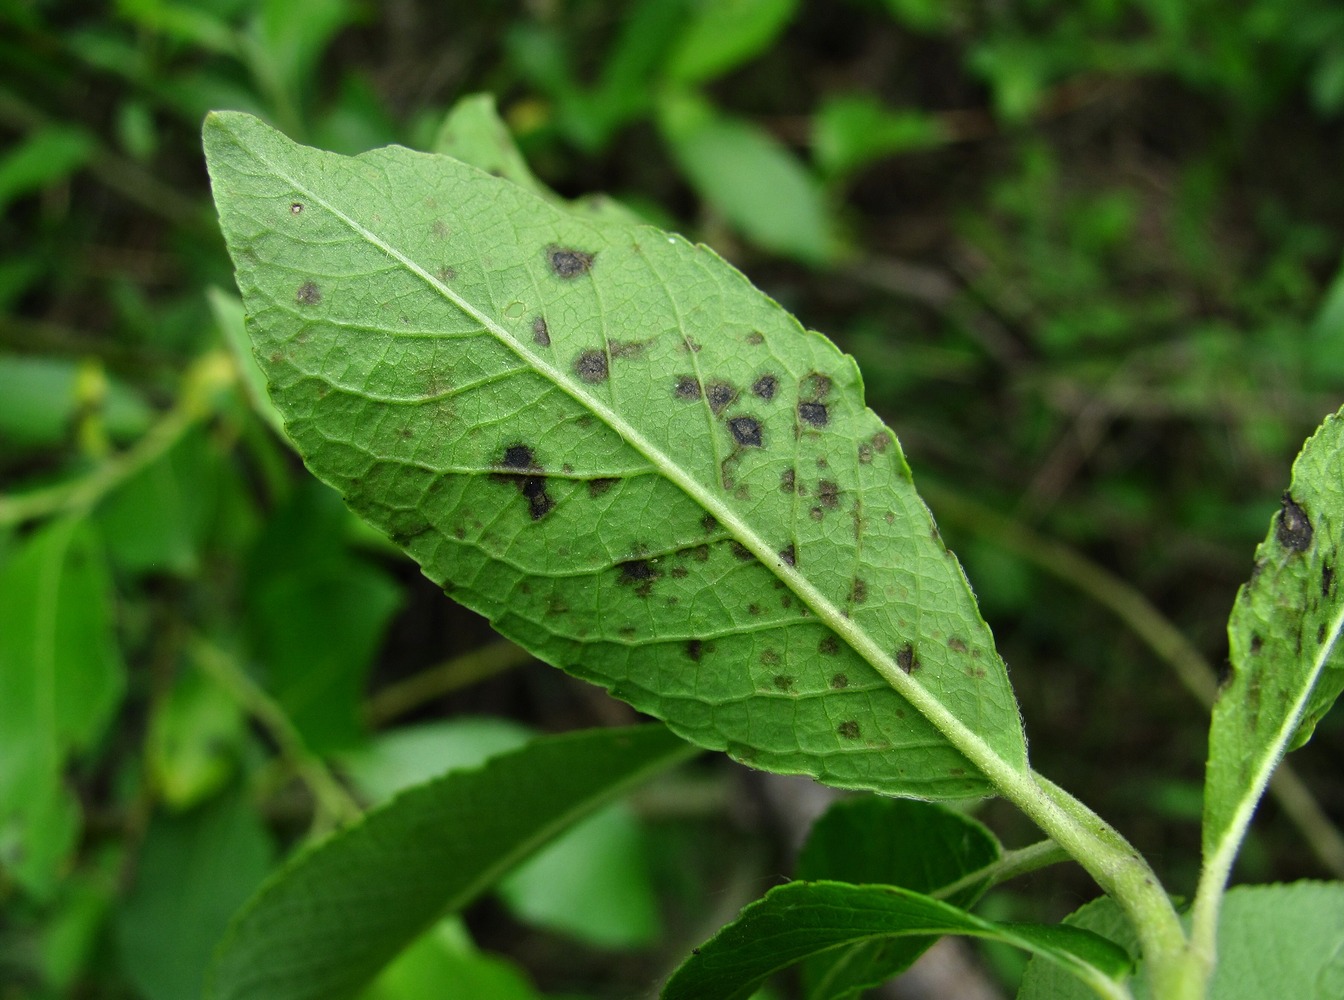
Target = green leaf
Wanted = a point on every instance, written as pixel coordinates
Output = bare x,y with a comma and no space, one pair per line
636,465
444,963
1284,634
196,737
850,132
751,179
875,841
46,157
61,678
193,872
340,911
722,34
802,919
39,400
1273,941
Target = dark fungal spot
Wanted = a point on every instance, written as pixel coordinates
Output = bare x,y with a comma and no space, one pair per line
308,294
788,481
709,523
591,366
956,645
755,338
700,553
445,274
828,646
742,552
640,574
686,388
1257,642
881,441
439,229
1327,579
906,660
782,682
789,555
719,395
746,431
693,649
296,208
680,572
596,487
541,333
568,263
769,657
816,387
839,682
814,414
629,348
526,477
858,592
865,454
849,729
828,494
1320,634
765,387
1294,531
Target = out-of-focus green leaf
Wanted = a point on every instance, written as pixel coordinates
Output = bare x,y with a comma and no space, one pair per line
1284,633
316,615
444,963
195,740
722,34
852,131
706,518
802,919
229,318
401,758
370,889
45,157
39,401
902,842
61,678
593,884
193,872
750,179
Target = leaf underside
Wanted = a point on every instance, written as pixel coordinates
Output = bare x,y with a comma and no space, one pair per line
1284,635
605,440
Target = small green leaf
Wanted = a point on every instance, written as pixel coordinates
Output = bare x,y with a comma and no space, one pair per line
850,132
721,34
750,179
1284,634
636,465
47,156
802,919
61,678
192,873
196,738
443,963
340,911
902,842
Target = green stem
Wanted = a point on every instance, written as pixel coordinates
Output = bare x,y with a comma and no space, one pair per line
445,678
1008,866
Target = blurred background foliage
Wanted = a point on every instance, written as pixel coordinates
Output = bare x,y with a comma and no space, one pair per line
1086,252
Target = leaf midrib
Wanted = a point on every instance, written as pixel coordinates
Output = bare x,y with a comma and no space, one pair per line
995,766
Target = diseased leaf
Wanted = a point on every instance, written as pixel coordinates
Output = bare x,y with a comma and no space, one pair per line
61,678
1284,634
336,914
802,919
878,841
636,465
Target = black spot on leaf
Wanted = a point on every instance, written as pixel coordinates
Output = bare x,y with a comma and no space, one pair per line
754,610
591,366
865,453
518,456
849,729
746,431
596,487
568,263
816,387
814,414
693,649
541,333
445,274
769,657
765,387
828,494
956,645
641,574
629,348
708,523
789,555
296,208
782,682
719,395
1257,643
828,646
742,552
1327,579
755,338
531,485
1294,531
788,481
686,388
906,659
858,592
839,682
308,294
1320,634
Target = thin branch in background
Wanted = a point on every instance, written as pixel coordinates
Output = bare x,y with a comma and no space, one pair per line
461,671
1191,668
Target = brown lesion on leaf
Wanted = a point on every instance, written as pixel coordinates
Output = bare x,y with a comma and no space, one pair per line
765,387
520,469
541,333
769,657
849,729
687,388
828,494
709,524
296,208
719,395
828,646
881,441
814,414
439,230
695,649
754,610
445,274
1294,531
741,552
629,349
789,555
679,573
782,682
597,487
308,294
592,366
567,263
956,645
639,574
858,591
865,453
839,682
788,481
1327,579
906,659
746,432
755,338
